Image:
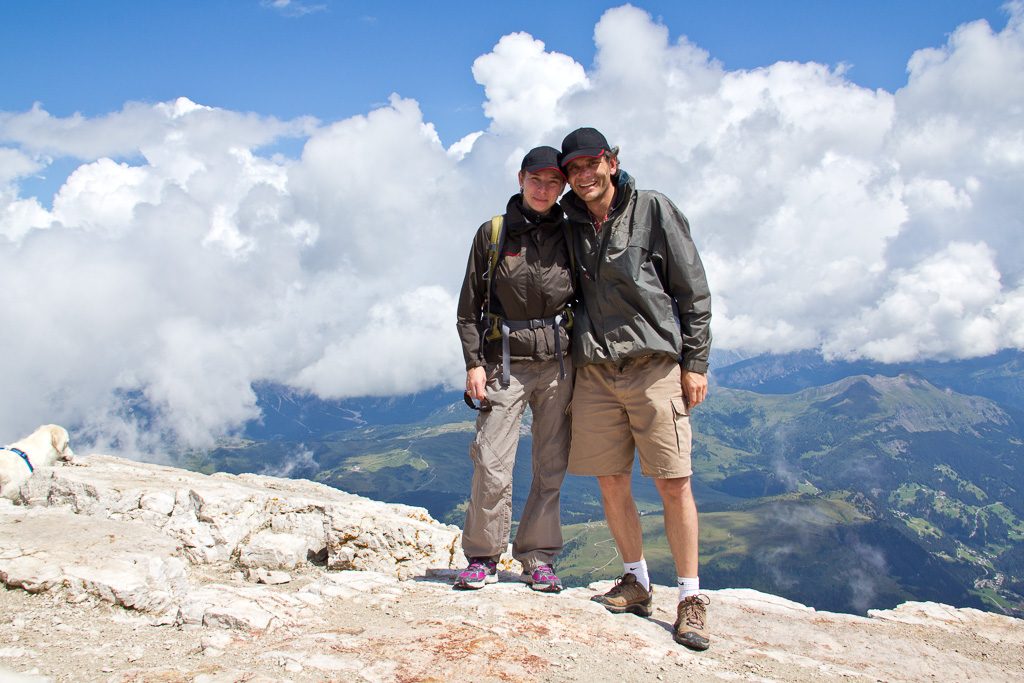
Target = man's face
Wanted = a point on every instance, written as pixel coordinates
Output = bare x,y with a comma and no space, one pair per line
541,189
591,177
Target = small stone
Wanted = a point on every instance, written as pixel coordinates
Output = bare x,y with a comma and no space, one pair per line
274,578
214,644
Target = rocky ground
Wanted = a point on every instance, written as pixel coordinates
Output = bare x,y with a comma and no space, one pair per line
103,585
382,629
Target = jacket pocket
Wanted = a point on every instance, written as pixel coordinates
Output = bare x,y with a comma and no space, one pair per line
637,248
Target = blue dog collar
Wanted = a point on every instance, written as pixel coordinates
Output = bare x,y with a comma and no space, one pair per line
24,456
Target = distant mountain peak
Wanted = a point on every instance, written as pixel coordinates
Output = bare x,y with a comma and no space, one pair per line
909,400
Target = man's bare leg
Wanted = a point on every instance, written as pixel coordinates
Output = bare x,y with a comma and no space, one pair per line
621,515
633,593
681,525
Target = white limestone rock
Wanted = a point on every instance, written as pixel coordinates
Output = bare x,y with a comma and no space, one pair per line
120,563
268,577
137,535
250,609
273,550
256,520
406,548
169,547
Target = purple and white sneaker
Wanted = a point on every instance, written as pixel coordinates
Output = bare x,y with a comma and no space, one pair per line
542,579
478,574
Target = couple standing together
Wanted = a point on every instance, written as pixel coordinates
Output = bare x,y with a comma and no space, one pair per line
619,282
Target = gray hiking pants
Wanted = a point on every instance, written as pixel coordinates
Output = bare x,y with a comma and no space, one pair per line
489,515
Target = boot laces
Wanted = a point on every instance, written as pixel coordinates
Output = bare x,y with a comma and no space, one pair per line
695,610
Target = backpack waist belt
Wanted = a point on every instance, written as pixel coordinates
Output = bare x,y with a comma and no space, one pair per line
509,326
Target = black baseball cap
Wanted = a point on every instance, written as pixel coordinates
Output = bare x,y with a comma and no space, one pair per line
541,158
583,142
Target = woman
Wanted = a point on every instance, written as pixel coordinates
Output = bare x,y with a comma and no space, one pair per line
512,319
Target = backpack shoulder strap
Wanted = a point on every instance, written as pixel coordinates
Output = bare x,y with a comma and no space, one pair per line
494,249
497,242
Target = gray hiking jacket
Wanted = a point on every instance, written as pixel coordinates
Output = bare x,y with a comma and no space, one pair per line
641,280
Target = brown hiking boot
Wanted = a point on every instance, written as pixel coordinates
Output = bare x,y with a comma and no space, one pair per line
691,627
627,596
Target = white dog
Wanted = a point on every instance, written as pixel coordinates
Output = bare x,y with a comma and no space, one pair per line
43,448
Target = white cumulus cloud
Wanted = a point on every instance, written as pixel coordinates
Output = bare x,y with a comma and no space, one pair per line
183,259
947,304
523,85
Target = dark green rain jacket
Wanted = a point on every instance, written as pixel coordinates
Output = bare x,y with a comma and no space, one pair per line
641,280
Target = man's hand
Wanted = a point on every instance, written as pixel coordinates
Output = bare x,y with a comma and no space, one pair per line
476,383
695,388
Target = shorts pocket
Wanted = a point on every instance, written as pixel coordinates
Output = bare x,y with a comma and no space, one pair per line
681,418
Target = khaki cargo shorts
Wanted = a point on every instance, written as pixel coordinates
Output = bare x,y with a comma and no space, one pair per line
633,407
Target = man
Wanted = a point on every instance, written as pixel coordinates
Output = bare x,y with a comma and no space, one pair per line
512,323
641,344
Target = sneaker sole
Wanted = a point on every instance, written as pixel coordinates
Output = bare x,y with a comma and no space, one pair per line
475,585
545,588
639,610
692,640
539,587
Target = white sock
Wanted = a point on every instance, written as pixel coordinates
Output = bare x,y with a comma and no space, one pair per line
688,586
639,570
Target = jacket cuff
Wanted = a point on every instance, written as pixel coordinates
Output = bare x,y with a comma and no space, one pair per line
475,363
698,366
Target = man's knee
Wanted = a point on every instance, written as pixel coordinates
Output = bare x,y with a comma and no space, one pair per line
677,488
615,485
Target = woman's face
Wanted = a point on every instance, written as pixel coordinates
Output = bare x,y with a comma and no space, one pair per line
541,189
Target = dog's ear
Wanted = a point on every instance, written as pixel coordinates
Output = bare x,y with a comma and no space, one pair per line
60,440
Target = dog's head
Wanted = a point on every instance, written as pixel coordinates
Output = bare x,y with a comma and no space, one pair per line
61,442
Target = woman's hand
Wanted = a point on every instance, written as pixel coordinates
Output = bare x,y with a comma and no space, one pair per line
476,383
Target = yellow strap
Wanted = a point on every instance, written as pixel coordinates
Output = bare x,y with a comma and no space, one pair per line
495,234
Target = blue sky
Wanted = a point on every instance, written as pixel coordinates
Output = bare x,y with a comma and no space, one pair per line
342,58
211,194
